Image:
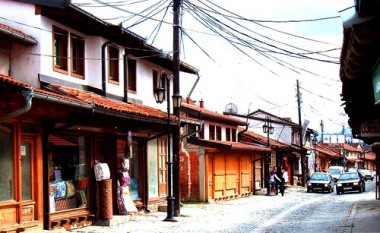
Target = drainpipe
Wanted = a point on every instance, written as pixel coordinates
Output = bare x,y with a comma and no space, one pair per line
195,84
104,75
241,132
192,133
28,95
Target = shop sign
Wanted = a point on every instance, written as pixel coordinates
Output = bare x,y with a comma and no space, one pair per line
370,128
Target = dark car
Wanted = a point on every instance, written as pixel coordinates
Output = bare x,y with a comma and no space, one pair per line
366,174
350,181
320,182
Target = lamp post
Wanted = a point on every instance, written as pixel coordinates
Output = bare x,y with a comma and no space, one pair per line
268,129
159,95
314,142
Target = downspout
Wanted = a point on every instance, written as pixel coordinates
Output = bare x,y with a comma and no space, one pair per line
104,75
125,59
195,84
241,132
192,133
28,95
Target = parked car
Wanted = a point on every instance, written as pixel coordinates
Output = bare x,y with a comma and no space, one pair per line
335,171
350,181
367,174
320,182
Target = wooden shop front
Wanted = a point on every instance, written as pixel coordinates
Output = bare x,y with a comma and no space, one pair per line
48,151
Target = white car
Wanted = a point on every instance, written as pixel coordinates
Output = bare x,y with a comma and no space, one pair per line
367,174
335,171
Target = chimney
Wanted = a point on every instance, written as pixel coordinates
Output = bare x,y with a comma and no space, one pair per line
188,100
201,103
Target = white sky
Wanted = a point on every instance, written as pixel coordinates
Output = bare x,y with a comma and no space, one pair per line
232,77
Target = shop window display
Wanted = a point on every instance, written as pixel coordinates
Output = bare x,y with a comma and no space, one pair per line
67,172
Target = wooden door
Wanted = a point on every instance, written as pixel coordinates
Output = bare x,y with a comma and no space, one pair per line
18,200
210,178
28,174
219,176
232,176
162,170
246,175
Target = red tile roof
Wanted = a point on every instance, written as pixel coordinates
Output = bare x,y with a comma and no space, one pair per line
212,115
82,96
227,145
325,149
351,148
263,140
370,156
16,31
14,82
113,105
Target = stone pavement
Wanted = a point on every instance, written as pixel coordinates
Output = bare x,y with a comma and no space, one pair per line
364,217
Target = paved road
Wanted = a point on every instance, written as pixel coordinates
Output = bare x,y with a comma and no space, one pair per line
297,211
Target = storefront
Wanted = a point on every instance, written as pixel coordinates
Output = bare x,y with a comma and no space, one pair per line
50,147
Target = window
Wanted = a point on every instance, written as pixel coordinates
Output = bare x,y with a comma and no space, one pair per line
233,135
219,133
77,54
132,75
113,65
68,172
60,50
26,169
211,132
7,181
60,53
228,134
155,79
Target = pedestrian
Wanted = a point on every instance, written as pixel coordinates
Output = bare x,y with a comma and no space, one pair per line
285,176
279,181
272,181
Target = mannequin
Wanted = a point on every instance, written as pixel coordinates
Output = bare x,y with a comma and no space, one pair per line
125,203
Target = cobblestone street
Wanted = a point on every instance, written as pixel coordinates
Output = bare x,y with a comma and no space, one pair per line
297,211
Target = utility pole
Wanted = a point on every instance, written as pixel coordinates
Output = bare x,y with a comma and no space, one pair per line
177,6
303,172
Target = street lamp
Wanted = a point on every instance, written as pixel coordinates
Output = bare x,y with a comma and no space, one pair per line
314,142
268,129
159,94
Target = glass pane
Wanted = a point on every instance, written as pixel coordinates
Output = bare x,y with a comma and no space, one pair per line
26,171
67,172
6,163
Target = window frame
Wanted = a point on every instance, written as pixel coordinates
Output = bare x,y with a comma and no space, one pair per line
228,134
77,49
218,133
60,50
233,135
211,132
113,65
155,80
132,75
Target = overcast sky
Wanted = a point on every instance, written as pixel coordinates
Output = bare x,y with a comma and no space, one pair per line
251,78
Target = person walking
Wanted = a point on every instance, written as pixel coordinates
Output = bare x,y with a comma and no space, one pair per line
279,179
272,181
